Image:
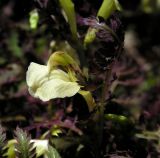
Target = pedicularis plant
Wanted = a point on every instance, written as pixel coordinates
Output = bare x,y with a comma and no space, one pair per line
76,79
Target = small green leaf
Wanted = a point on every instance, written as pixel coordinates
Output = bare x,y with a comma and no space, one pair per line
13,44
149,135
10,153
150,81
90,36
68,8
52,153
116,118
55,131
33,19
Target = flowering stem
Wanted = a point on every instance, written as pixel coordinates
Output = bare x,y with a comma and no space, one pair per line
105,90
106,84
82,56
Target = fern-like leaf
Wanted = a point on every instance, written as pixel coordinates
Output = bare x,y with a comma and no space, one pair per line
52,153
23,148
2,140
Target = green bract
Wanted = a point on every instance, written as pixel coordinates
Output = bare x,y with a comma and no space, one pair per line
68,7
90,36
88,98
33,19
47,83
108,7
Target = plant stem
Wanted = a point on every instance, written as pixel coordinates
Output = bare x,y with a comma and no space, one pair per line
106,84
82,56
102,106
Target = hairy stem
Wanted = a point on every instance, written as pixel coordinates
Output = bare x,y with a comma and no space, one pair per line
105,90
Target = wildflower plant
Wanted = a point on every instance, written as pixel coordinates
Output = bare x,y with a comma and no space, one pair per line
76,77
67,86
65,76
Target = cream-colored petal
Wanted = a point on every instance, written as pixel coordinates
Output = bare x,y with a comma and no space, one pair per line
59,74
41,146
36,74
57,88
49,85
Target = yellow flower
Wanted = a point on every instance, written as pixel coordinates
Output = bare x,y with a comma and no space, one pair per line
48,82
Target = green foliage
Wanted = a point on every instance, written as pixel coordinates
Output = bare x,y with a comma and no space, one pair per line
13,44
87,95
55,130
52,153
90,36
108,7
116,118
149,135
24,148
33,19
10,149
150,82
68,7
150,6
